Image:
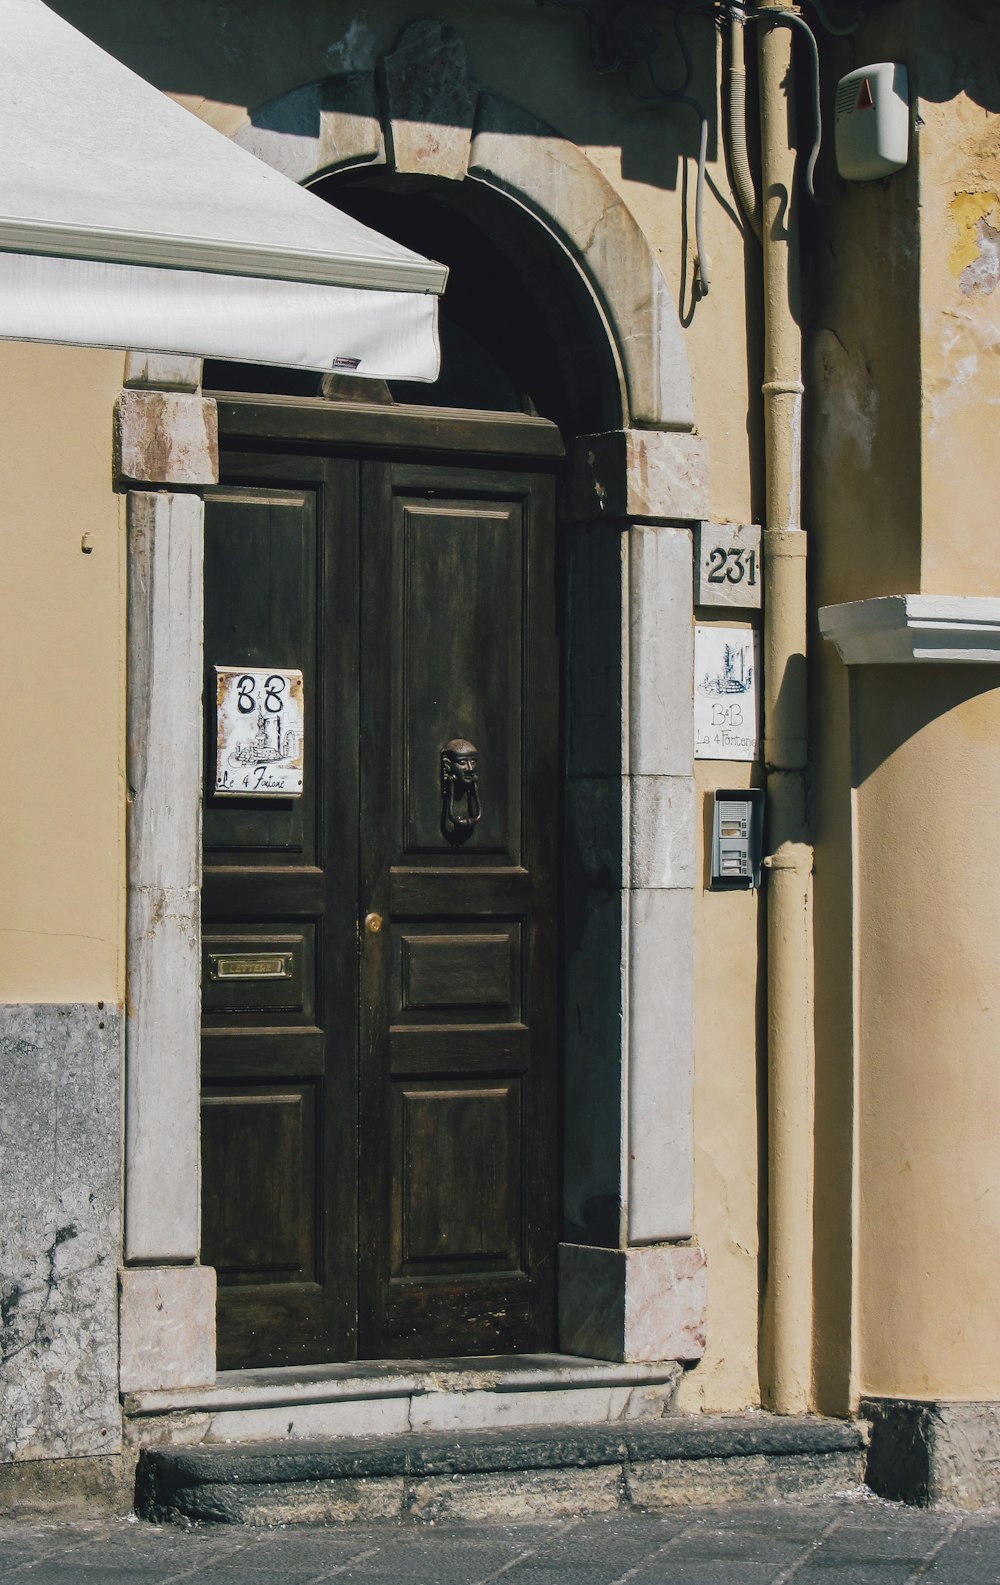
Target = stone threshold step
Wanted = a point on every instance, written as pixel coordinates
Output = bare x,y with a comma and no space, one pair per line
389,1397
524,1473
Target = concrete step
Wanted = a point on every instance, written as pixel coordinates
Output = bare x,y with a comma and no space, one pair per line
387,1397
532,1472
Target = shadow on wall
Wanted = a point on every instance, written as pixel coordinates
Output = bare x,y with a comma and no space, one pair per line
217,52
966,51
890,705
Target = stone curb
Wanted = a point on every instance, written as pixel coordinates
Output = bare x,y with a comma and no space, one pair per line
654,1464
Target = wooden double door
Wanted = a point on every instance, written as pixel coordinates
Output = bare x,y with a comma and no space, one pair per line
379,953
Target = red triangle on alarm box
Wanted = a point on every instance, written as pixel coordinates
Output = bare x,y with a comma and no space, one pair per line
865,98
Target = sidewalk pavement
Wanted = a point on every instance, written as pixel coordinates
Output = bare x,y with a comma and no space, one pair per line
849,1541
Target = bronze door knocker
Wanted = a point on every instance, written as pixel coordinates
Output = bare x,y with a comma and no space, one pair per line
459,789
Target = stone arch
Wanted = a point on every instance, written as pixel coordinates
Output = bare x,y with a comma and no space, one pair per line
423,114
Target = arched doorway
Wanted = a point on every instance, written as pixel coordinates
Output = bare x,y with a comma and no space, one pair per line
520,331
423,1146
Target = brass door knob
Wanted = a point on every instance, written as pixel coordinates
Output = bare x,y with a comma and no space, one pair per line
373,923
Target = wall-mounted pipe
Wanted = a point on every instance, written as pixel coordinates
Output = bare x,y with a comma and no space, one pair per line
786,1365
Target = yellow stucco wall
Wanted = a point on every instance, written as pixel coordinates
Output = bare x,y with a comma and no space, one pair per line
927,741
928,799
906,386
62,621
960,313
728,1103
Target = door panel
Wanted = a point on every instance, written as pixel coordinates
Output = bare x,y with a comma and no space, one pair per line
379,991
458,990
279,904
458,1149
260,970
457,612
449,973
262,1228
260,567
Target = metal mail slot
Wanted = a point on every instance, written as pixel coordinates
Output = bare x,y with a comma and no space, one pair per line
249,966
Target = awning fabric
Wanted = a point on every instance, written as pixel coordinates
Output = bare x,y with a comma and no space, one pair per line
127,222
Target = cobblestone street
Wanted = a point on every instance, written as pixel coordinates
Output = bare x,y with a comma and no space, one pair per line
845,1542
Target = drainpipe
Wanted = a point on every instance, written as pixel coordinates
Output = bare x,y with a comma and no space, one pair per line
787,1332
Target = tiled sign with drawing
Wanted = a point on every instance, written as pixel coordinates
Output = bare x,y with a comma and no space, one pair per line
260,732
725,693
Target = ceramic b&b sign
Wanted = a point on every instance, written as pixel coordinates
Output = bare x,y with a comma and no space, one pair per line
259,737
725,693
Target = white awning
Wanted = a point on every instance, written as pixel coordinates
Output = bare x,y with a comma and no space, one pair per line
127,222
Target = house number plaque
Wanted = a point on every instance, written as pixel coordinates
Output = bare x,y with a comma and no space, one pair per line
727,564
259,735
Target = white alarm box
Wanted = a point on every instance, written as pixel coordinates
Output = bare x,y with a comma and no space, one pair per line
873,122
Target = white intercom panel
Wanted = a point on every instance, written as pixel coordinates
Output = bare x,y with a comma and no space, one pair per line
737,838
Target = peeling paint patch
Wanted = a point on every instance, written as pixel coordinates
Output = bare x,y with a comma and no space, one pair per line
984,274
956,387
977,222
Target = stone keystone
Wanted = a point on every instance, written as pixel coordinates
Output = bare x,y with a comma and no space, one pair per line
430,99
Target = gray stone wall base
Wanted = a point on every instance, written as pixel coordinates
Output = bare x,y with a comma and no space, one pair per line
167,1322
633,1304
60,1168
929,1452
68,1488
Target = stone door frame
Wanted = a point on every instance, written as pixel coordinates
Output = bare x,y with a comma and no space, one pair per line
631,1281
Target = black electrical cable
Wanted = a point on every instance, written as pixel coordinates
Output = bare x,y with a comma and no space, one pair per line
686,57
680,16
601,66
680,92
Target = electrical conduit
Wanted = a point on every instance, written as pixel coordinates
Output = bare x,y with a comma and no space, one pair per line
739,158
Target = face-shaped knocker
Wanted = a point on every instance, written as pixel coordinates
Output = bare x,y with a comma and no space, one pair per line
459,789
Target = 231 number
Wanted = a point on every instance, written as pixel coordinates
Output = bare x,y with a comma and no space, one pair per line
732,566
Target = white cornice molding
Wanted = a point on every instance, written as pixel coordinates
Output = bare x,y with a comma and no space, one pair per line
899,629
